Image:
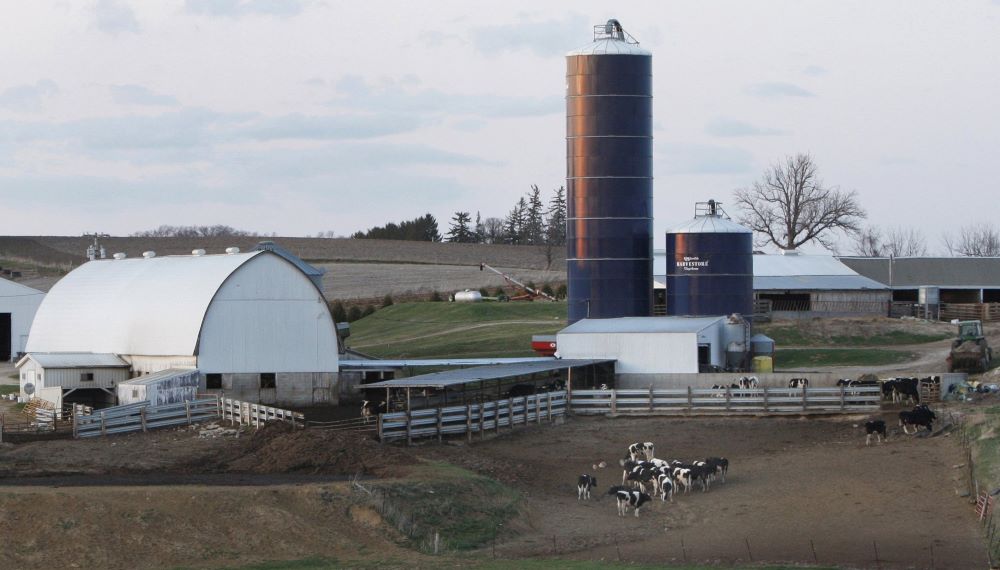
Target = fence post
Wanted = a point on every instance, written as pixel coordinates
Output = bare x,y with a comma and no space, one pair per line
651,398
510,412
548,398
409,428
187,410
614,402
765,398
805,398
142,419
843,389
690,400
380,437
538,409
468,422
439,422
104,430
729,395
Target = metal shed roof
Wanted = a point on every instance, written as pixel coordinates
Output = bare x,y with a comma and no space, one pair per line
450,378
416,362
158,376
946,272
642,325
816,283
75,360
709,225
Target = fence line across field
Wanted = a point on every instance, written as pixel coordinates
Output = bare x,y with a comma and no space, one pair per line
472,418
727,401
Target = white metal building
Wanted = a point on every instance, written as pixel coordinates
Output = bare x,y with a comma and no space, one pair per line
53,376
254,324
18,304
653,345
171,386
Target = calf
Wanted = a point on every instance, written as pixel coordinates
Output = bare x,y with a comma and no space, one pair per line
919,416
626,499
876,427
583,486
719,466
666,487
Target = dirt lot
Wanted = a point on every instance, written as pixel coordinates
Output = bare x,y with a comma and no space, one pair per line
791,481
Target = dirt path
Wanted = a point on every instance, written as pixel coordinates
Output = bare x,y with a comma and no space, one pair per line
453,330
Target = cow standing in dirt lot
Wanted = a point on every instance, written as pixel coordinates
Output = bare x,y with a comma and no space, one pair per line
583,486
876,427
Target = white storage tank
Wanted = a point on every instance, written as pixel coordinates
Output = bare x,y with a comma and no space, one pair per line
468,296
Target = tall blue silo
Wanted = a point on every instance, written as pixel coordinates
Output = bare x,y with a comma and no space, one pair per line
609,179
709,265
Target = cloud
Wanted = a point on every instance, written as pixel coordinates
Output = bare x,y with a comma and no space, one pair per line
240,8
544,39
139,95
28,98
113,17
818,70
725,127
703,159
405,97
778,89
339,127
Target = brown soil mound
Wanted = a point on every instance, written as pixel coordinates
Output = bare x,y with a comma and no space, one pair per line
279,448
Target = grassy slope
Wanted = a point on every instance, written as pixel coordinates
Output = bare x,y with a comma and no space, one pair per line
455,329
487,564
801,358
785,335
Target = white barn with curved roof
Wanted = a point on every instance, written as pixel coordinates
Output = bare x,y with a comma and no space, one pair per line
254,324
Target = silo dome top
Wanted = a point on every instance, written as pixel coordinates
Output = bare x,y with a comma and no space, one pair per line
611,39
709,218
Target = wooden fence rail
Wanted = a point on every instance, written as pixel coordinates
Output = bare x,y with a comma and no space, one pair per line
728,401
247,413
472,418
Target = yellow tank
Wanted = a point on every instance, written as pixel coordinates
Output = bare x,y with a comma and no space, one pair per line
763,364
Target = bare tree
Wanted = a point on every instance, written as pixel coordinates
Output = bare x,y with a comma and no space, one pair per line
790,206
976,240
896,241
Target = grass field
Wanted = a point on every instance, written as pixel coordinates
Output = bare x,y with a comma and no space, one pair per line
805,357
487,564
426,330
785,335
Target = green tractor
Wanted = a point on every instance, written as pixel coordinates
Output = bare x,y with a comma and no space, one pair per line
970,351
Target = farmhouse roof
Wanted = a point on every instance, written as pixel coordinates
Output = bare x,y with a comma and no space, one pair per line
913,272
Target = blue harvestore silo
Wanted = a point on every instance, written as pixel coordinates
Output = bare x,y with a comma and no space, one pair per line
710,265
609,179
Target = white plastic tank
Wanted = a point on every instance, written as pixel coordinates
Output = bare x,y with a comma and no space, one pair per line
232,250
468,296
149,254
119,255
198,252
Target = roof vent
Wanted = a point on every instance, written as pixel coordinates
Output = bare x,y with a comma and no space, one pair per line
232,250
198,252
119,255
149,254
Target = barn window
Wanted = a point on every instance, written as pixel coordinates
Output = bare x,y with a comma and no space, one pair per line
267,380
86,377
213,381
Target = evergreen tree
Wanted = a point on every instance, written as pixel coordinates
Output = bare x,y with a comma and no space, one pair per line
424,228
514,223
459,232
534,221
480,231
556,226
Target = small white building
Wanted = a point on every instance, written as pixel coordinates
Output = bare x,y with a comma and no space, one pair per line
171,386
654,345
18,304
54,376
254,324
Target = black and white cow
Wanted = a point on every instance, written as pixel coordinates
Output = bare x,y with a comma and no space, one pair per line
627,499
640,450
719,466
748,382
665,486
919,416
876,428
369,409
798,383
900,389
583,486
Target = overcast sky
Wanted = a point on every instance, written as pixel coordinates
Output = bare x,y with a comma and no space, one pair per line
298,116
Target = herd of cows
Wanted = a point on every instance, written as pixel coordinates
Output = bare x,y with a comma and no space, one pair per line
641,470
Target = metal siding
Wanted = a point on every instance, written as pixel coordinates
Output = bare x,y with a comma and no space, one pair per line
636,353
70,377
22,303
268,317
609,182
721,287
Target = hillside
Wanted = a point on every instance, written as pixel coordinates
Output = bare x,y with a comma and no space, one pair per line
356,269
429,330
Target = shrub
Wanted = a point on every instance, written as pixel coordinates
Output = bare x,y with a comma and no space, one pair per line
561,291
338,311
484,292
353,314
387,301
547,289
368,311
436,297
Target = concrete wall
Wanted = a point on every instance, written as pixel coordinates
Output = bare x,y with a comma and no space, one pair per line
268,317
291,388
665,381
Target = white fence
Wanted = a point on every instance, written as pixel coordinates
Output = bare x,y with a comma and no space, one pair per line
246,413
728,401
471,418
143,417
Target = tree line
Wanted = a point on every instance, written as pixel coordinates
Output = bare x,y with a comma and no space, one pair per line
531,221
217,230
